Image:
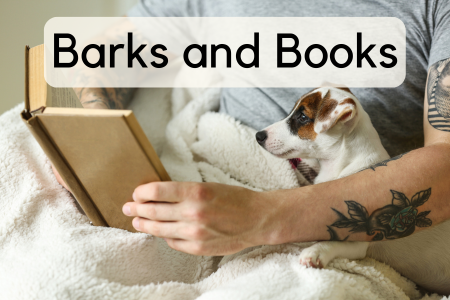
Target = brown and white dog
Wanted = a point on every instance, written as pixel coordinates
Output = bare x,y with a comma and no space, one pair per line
330,125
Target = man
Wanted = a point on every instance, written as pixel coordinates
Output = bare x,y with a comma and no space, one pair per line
215,219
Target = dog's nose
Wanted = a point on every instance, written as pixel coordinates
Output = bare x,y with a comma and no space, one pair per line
261,137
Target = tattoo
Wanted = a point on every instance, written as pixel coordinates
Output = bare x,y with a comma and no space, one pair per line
92,101
384,162
119,97
113,98
438,94
392,221
333,234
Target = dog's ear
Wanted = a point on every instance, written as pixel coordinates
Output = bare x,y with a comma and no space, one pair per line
332,112
344,89
336,86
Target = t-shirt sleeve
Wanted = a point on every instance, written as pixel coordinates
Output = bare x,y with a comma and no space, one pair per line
440,44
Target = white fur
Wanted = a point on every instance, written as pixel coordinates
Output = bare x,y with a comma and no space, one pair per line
342,150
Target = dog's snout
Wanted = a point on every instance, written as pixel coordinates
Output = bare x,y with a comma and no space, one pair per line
261,137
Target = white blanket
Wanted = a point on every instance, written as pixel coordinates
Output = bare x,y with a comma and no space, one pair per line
48,250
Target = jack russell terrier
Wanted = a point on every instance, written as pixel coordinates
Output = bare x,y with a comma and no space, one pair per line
330,125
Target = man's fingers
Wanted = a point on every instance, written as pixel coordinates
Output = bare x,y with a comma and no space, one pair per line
169,191
157,191
152,211
171,230
59,179
185,246
159,229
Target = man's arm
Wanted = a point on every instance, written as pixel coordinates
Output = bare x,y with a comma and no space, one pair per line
111,98
388,201
104,98
404,194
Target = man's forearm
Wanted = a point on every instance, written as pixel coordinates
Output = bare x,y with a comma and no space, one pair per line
409,194
390,201
104,96
113,98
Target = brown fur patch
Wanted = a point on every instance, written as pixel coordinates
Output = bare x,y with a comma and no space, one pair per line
304,97
348,101
327,107
307,132
320,109
311,104
316,107
345,89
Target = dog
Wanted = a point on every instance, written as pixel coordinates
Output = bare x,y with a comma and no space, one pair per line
330,125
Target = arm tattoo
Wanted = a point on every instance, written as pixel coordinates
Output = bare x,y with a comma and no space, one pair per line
92,101
333,234
384,162
113,98
119,97
392,221
438,94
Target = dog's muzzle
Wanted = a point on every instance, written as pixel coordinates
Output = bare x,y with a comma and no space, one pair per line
261,137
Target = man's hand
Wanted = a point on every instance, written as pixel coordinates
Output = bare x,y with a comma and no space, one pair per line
59,179
202,218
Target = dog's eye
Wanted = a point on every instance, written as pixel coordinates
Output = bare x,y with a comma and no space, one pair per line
303,118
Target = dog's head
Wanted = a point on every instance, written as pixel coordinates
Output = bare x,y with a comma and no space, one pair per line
317,121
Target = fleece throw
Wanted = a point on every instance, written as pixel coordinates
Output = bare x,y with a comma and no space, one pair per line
48,249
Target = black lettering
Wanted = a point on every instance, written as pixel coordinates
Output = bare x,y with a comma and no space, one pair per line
214,49
112,54
364,55
202,63
132,55
254,48
101,60
387,55
164,62
349,56
57,49
293,49
324,56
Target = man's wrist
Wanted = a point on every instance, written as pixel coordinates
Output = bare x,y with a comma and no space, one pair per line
283,214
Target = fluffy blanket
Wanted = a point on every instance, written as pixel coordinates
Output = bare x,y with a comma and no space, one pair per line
48,250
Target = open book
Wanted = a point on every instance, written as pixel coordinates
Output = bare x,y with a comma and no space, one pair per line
102,155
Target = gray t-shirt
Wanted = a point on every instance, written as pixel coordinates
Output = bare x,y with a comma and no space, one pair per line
397,113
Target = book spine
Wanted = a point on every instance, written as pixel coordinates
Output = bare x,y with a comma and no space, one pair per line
27,78
63,169
147,147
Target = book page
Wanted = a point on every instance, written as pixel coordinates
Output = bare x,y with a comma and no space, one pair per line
58,95
62,97
40,93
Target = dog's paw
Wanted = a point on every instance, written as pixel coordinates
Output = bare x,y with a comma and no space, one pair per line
310,259
318,255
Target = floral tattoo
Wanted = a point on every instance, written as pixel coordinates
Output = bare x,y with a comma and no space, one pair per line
392,221
385,162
